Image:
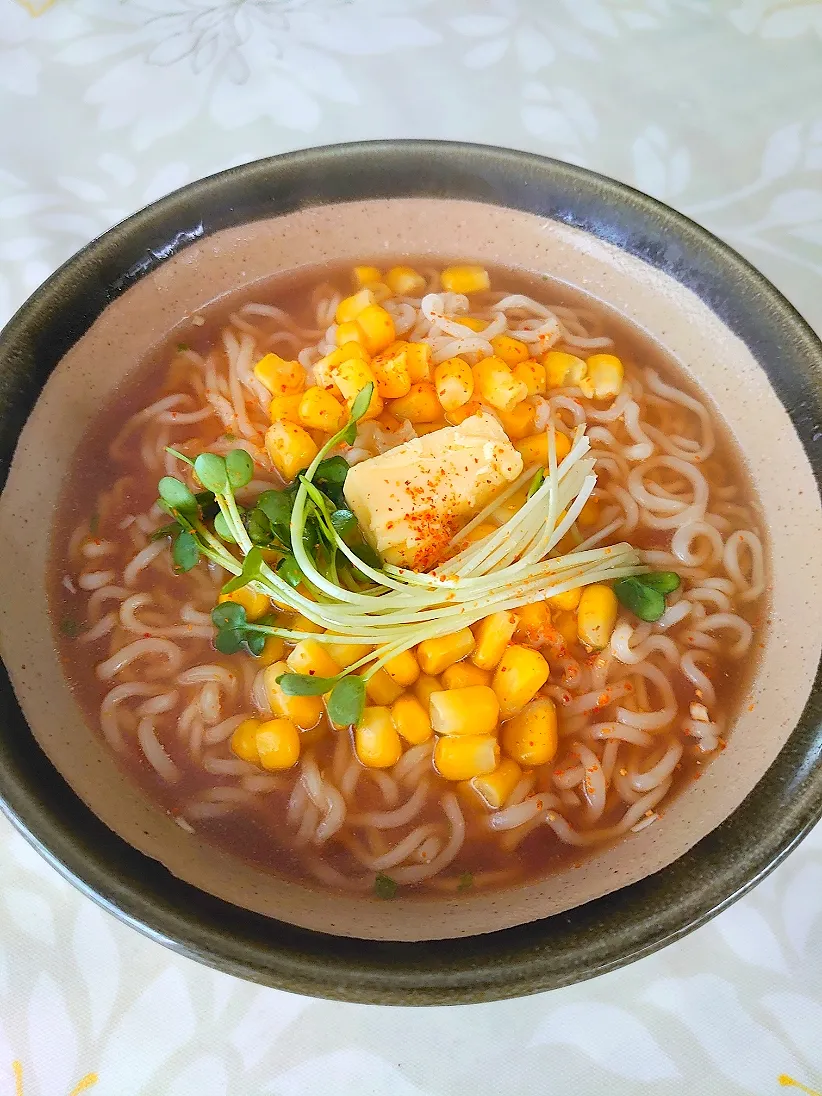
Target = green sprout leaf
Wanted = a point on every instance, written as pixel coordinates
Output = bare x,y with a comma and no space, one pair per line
240,468
251,571
229,641
664,582
211,472
228,614
222,529
385,887
255,641
536,483
358,409
258,527
170,530
176,495
305,684
347,701
332,470
344,522
185,552
641,600
277,506
289,571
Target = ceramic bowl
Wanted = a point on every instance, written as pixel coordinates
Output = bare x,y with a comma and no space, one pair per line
101,314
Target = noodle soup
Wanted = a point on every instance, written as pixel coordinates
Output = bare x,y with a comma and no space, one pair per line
564,639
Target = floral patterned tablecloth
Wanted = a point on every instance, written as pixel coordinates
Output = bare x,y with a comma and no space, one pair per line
715,108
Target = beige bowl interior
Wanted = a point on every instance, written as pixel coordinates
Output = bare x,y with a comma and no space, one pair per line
124,336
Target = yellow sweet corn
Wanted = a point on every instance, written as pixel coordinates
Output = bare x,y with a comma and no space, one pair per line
403,668
391,373
351,377
495,787
305,711
463,674
377,327
471,710
534,449
589,514
460,414
462,757
405,281
530,738
364,275
346,654
350,307
566,601
493,636
418,360
381,291
533,623
518,423
566,625
382,688
280,377
435,655
566,370
520,675
311,657
455,383
411,720
285,408
376,740
301,623
324,367
495,383
512,351
473,323
256,605
319,410
273,651
419,405
532,375
606,374
278,744
244,741
424,686
350,332
469,278
596,616
290,448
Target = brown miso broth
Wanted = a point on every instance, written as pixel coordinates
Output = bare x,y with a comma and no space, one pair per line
170,712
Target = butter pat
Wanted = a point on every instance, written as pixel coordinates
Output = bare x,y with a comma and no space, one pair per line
411,500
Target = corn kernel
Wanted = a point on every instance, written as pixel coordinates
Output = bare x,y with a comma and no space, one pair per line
418,360
244,741
280,377
391,373
465,279
424,686
377,327
350,307
346,654
460,414
495,787
493,636
495,383
520,675
462,757
532,375
285,409
319,410
463,674
351,377
411,720
534,450
512,351
382,688
533,623
256,605
566,601
350,332
606,373
562,368
324,367
419,405
376,740
518,423
596,616
566,625
473,323
455,383
471,710
364,275
380,291
589,514
273,651
291,449
389,422
311,657
530,738
278,744
301,623
435,655
305,711
403,668
405,281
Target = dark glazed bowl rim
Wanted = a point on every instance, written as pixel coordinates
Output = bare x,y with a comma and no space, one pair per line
592,939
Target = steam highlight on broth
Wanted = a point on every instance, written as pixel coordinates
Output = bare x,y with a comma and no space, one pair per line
442,585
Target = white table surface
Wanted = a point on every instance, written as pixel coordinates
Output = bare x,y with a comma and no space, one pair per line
715,108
